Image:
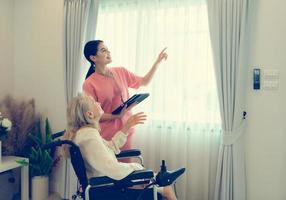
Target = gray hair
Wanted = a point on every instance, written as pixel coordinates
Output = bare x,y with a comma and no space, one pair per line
77,117
77,113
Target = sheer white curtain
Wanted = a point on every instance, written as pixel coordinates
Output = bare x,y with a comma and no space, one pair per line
80,24
183,124
75,23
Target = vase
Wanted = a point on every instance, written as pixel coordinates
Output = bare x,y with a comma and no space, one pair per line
40,187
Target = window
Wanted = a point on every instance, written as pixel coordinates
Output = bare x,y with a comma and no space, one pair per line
183,109
183,88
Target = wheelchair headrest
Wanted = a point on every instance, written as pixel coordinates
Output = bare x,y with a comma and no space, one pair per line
58,134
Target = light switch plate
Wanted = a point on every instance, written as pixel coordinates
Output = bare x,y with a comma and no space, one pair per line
271,74
271,84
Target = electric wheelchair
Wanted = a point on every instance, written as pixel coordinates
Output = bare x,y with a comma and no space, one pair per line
105,188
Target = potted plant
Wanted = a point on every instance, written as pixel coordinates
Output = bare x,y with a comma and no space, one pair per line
22,113
5,126
40,161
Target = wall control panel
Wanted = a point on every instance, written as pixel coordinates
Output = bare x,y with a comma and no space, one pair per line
266,79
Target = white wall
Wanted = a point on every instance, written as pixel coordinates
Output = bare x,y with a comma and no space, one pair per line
266,135
39,60
39,56
6,50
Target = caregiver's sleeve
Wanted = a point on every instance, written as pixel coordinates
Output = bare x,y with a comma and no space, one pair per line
133,81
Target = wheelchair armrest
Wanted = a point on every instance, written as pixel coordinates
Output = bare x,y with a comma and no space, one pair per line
127,181
129,153
140,174
102,180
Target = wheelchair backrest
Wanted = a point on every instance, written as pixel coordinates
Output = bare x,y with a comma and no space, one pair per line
78,165
75,155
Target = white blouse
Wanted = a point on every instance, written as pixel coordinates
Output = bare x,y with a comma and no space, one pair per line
99,154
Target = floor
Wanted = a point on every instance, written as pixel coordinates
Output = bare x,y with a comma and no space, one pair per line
54,196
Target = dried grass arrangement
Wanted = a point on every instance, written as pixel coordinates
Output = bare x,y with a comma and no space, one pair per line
24,117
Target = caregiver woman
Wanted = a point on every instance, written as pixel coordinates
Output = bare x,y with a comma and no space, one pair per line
109,86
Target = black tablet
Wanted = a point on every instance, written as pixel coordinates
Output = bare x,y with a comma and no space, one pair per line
135,98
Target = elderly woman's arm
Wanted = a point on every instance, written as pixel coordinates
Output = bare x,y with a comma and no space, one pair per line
120,138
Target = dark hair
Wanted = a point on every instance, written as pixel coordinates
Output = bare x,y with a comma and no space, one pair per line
90,49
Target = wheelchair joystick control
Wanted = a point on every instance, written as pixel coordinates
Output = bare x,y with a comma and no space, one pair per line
165,178
163,166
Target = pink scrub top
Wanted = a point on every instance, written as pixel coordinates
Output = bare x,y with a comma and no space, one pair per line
108,91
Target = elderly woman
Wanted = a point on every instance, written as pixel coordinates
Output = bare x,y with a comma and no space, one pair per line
83,115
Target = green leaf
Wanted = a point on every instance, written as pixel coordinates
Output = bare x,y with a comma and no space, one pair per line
22,162
40,134
35,139
48,131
